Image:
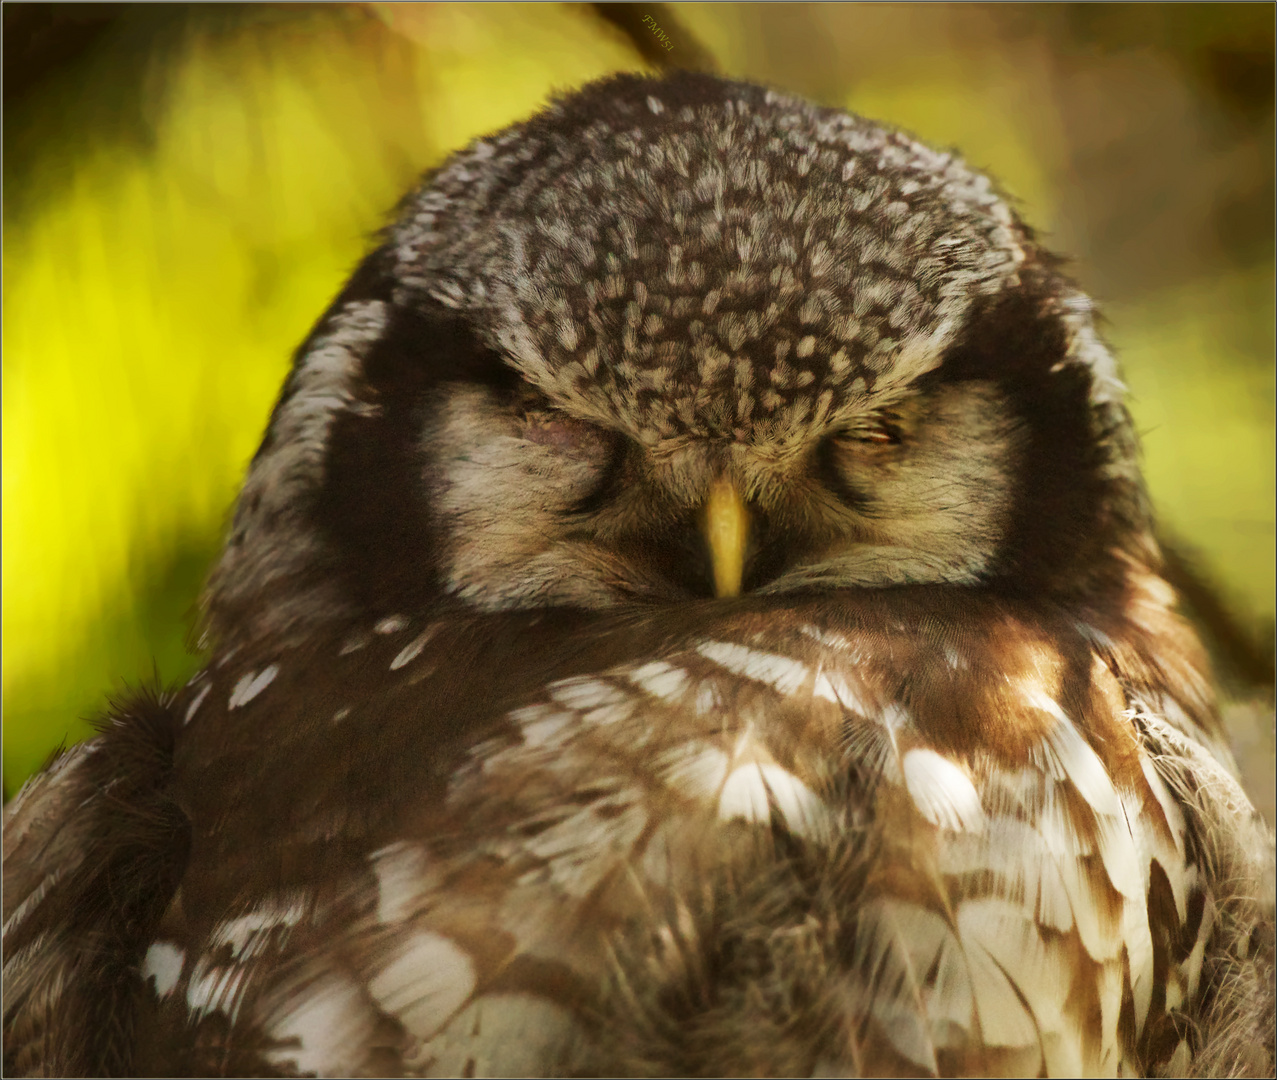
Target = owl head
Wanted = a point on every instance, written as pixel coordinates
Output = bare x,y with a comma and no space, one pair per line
674,340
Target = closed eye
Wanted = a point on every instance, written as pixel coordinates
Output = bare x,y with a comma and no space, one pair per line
882,428
830,472
610,478
862,443
597,455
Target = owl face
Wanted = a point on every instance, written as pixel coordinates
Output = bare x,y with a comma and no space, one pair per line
686,339
540,505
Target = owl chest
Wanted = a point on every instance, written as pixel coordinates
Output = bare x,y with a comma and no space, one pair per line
730,839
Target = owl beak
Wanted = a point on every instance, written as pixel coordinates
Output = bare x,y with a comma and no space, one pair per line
726,527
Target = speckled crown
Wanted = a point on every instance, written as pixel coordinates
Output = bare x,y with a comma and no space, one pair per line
700,256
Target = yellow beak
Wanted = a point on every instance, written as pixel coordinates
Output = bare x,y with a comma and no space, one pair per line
726,531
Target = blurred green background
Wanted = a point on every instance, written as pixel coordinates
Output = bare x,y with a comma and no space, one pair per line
185,188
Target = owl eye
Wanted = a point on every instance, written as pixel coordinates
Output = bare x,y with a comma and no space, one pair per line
878,429
610,477
548,427
596,455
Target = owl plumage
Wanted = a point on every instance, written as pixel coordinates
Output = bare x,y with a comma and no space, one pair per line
694,611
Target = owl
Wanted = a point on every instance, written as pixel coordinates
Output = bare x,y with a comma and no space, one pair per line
694,611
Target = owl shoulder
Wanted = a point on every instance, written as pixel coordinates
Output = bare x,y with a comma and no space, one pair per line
93,850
